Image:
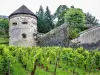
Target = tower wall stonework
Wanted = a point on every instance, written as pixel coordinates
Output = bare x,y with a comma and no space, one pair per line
23,30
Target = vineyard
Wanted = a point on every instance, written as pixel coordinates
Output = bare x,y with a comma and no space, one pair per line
48,61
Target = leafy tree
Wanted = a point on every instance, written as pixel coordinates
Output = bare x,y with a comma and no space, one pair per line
74,17
59,14
48,20
76,20
41,21
91,19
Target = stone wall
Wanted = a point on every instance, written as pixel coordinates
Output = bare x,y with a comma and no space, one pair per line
90,36
89,39
56,37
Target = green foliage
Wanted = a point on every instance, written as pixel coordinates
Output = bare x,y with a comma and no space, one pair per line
41,20
75,19
73,33
59,14
48,20
72,6
4,40
4,22
91,19
20,60
17,69
45,21
4,26
40,71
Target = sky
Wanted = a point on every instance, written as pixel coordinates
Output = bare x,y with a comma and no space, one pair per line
92,6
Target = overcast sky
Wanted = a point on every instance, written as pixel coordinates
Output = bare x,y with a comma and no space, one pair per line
92,6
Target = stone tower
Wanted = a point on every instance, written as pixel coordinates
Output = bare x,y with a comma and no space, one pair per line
23,27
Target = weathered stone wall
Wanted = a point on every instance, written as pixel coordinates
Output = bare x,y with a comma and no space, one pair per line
16,31
56,37
89,39
90,36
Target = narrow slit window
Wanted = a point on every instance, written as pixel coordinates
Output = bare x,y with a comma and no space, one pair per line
24,35
24,22
15,23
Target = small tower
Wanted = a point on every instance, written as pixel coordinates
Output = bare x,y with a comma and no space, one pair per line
23,27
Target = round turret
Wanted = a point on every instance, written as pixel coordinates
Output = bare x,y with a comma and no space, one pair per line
23,27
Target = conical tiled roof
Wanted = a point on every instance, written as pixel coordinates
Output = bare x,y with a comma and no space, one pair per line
23,10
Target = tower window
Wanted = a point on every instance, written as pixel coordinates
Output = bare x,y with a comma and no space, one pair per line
24,35
35,36
34,30
15,23
24,22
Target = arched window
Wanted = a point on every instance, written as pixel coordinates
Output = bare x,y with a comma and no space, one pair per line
24,35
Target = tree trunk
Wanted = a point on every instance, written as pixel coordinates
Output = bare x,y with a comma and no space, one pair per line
56,63
8,67
55,68
33,72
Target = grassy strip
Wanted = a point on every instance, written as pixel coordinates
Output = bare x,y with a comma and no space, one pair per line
4,40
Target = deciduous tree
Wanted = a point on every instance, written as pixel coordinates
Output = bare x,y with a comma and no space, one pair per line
59,14
90,19
75,19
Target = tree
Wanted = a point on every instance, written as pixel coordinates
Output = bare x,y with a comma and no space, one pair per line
4,27
76,20
48,21
59,14
40,21
45,21
72,6
75,16
91,19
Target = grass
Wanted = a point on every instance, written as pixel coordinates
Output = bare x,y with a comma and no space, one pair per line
60,71
94,73
17,70
40,71
4,40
